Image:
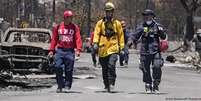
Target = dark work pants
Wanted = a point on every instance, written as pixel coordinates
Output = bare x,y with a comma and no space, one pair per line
64,59
108,69
93,55
145,62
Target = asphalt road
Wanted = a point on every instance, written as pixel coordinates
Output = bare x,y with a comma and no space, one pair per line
178,84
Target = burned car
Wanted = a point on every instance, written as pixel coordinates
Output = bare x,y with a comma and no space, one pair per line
25,49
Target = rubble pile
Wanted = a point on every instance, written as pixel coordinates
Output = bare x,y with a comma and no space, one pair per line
34,81
190,57
25,82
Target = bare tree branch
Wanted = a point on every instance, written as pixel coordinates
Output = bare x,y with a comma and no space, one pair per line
194,5
199,3
183,2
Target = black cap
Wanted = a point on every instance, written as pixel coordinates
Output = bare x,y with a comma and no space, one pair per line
148,12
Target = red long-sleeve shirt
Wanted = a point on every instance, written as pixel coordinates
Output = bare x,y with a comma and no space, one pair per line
66,36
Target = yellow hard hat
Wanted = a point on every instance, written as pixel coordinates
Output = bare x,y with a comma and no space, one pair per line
109,6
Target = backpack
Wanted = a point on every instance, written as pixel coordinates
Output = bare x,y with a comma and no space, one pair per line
163,44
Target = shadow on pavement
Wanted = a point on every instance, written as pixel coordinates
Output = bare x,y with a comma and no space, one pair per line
72,92
144,93
112,92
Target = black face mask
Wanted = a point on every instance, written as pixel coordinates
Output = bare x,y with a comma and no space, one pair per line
109,32
109,18
124,30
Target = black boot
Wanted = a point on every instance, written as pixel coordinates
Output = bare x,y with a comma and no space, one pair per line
155,87
148,88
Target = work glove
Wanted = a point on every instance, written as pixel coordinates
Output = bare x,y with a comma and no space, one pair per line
122,52
51,54
77,53
77,58
160,30
129,43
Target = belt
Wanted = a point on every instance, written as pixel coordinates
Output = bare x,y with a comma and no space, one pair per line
65,49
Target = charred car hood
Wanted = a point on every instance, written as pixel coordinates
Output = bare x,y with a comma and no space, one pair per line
44,46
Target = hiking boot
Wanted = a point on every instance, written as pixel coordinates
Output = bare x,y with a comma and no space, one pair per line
110,88
59,90
94,64
155,86
121,64
148,88
155,89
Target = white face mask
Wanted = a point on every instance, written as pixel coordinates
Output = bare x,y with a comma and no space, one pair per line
148,22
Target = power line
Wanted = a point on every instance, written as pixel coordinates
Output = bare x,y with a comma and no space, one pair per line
89,16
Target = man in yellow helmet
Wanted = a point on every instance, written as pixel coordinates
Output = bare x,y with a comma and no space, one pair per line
108,41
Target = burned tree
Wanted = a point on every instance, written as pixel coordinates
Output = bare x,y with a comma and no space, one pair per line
191,6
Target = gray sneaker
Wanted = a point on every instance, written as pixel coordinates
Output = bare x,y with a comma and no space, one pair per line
66,89
156,92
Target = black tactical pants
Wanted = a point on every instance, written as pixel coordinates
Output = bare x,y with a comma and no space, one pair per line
157,62
108,65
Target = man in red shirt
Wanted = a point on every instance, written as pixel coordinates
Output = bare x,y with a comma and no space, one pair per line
66,38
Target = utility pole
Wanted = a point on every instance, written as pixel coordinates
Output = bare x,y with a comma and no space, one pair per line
147,4
53,11
136,13
89,17
21,12
18,13
66,4
32,14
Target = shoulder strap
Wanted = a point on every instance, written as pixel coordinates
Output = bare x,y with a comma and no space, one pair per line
57,28
100,31
158,38
115,21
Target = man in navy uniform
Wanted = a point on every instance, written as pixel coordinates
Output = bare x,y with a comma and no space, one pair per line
150,33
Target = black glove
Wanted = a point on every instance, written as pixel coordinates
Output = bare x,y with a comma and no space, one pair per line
129,43
122,52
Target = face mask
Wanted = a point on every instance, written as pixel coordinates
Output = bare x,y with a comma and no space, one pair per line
109,18
148,22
